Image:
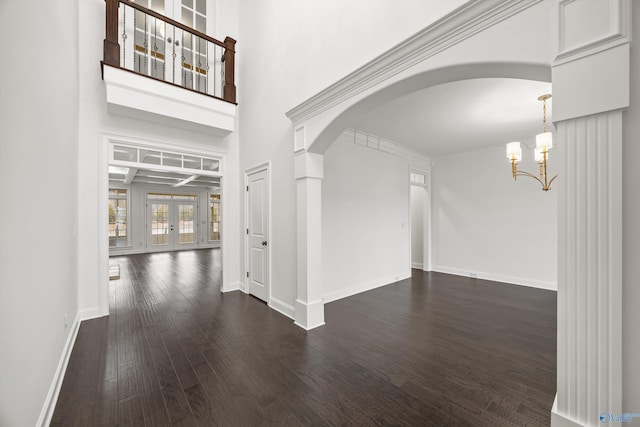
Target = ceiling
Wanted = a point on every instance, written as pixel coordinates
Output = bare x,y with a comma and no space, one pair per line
462,116
141,165
124,175
456,117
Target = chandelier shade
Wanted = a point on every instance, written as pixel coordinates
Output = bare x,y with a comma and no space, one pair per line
544,143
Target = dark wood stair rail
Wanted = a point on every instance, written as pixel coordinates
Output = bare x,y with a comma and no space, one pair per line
112,48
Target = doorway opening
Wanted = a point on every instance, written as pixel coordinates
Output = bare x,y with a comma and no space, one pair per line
258,232
158,197
419,219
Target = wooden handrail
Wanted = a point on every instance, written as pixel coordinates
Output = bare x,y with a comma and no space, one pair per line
112,47
171,22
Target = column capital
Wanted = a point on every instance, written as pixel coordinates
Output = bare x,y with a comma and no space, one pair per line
308,165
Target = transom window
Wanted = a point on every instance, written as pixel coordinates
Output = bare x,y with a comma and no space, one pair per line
165,196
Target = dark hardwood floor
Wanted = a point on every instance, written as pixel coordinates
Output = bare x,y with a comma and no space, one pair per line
432,350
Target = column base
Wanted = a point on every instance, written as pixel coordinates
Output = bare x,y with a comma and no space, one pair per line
309,316
559,420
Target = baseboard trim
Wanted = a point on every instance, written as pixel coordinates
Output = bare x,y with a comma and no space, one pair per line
89,313
283,308
416,265
235,286
54,390
363,287
558,420
309,315
532,283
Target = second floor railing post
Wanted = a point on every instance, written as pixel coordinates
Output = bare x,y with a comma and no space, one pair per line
229,93
111,46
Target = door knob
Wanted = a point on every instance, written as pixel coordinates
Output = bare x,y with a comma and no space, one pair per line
264,243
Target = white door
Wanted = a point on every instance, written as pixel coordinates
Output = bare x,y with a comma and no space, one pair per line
171,225
258,234
185,221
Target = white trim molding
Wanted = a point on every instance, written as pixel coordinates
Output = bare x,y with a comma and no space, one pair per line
283,308
512,280
299,139
590,268
558,420
309,307
455,27
235,286
600,29
148,99
54,390
364,287
309,315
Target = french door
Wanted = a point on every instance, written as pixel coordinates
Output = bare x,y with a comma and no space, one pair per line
166,52
171,222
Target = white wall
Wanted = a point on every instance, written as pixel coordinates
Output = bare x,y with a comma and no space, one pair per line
365,218
631,235
96,119
290,50
418,198
485,223
38,219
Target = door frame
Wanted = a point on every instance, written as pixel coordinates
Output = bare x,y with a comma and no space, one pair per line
107,138
426,220
244,284
173,203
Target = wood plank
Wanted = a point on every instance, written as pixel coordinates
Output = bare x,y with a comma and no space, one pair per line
431,350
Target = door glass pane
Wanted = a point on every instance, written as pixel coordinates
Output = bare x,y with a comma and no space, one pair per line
201,24
158,6
185,224
117,218
214,217
187,17
201,6
159,224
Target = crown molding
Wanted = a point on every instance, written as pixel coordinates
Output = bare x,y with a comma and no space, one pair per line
460,24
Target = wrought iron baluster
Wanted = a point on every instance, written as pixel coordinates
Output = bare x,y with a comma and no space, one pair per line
155,47
146,47
199,69
124,36
173,55
206,79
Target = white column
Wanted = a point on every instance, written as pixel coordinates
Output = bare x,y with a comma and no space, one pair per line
589,269
309,308
590,77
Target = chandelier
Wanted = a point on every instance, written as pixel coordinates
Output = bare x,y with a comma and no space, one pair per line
544,142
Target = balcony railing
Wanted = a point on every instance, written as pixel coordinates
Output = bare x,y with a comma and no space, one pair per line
146,42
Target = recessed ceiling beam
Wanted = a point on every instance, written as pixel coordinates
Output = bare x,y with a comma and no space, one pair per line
185,181
131,173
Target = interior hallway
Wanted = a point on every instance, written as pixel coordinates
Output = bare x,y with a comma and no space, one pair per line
432,350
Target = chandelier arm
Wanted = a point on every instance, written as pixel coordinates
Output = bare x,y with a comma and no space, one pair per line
532,176
549,184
